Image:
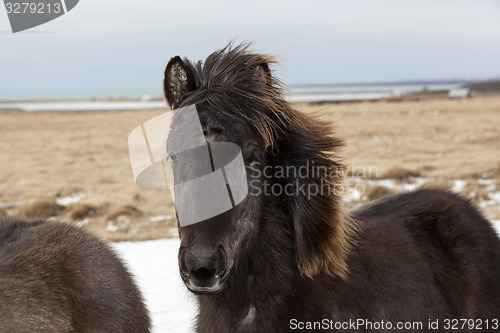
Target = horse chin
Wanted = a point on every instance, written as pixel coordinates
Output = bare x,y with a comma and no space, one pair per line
204,290
214,286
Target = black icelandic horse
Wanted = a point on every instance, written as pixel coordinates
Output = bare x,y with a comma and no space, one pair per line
58,278
295,260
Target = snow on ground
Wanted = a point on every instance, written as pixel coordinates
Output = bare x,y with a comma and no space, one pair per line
496,225
356,188
154,265
75,197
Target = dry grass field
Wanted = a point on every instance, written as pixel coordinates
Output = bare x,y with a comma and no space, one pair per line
75,165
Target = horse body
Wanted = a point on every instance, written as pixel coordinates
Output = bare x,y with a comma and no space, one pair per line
454,251
276,263
55,277
413,271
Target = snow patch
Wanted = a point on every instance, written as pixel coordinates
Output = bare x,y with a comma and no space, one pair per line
414,183
496,225
458,185
160,218
111,227
154,264
82,222
63,201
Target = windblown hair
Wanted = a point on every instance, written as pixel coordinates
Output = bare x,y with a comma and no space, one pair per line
239,83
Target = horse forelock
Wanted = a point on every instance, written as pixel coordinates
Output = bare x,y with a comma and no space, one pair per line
238,82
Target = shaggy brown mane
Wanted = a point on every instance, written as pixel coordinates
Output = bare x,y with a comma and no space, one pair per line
239,83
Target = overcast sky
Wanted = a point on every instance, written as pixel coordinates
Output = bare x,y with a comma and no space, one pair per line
124,45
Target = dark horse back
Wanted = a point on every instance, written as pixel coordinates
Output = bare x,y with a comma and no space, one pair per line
458,248
55,277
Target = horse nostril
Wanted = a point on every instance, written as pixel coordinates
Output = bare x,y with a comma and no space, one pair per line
203,266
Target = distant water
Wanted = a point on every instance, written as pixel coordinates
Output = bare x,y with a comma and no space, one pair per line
83,105
376,87
357,92
75,95
86,101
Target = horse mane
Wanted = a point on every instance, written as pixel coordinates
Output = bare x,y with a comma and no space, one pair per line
238,80
239,83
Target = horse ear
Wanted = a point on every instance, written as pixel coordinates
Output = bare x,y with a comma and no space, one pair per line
263,73
179,79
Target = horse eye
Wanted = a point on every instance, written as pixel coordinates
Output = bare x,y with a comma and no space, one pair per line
251,159
173,157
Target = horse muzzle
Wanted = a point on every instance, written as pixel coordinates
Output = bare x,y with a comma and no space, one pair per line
203,272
